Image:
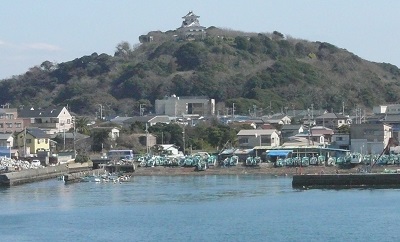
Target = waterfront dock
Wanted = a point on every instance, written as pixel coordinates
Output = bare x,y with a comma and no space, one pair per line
346,180
32,175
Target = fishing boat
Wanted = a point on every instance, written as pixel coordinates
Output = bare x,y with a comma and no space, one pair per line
91,178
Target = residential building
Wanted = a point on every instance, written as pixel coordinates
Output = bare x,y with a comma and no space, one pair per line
50,120
280,119
340,141
32,140
178,106
316,135
289,130
9,121
6,140
369,138
250,138
332,120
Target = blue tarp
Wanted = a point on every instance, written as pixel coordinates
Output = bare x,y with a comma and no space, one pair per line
278,152
4,151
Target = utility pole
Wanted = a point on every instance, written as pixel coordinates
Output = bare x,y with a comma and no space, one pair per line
73,122
141,109
309,127
343,108
233,111
147,140
101,111
183,139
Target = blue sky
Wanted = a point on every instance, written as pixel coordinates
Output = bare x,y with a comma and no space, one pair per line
32,32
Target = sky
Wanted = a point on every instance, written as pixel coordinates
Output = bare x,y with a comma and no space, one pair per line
32,31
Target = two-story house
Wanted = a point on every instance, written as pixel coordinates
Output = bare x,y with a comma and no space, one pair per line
289,130
249,138
32,140
9,121
50,120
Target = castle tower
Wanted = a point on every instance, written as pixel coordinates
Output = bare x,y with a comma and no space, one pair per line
191,28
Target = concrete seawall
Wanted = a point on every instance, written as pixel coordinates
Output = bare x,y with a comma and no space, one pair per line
346,180
32,175
77,176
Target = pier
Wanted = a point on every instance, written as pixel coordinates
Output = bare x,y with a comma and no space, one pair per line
32,175
346,180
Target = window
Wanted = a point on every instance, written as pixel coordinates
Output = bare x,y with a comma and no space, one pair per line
9,125
243,140
339,138
68,121
266,140
1,125
28,141
18,125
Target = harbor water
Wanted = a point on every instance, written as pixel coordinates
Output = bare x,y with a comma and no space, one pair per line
196,208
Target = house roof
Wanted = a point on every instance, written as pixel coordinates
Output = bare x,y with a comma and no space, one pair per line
106,128
36,113
253,132
331,116
274,118
321,130
35,132
119,120
304,112
70,135
291,127
5,136
395,118
148,119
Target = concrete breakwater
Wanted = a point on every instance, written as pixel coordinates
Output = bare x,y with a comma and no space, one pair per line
32,175
346,180
77,176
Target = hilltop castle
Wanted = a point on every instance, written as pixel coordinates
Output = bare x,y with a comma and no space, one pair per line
189,30
191,27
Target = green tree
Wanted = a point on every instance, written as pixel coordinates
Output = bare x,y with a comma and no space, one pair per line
100,139
189,56
81,125
241,43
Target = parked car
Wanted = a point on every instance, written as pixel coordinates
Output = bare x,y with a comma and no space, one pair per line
35,163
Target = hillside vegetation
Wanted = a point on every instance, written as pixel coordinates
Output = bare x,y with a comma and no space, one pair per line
268,71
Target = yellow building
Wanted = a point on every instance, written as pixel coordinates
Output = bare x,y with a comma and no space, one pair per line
32,140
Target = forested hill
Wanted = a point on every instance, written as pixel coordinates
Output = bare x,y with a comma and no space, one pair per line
266,70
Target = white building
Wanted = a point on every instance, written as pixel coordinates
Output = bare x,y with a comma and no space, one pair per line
250,138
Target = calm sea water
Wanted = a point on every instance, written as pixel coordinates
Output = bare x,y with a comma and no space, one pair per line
196,208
